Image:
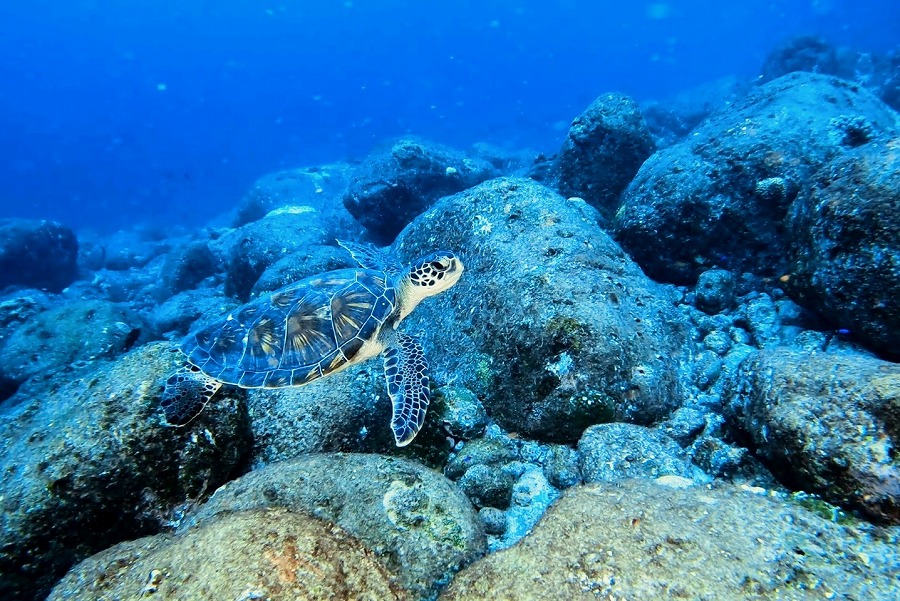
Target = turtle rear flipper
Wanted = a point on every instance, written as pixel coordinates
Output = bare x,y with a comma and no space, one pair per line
187,392
406,370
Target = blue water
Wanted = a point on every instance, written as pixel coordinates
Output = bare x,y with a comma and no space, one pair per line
117,112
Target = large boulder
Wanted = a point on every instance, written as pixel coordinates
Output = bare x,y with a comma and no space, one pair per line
551,324
37,254
809,53
261,554
826,423
347,411
643,540
318,187
399,181
129,249
71,333
604,148
846,247
185,267
670,119
415,520
721,197
251,249
185,310
611,452
87,461
305,262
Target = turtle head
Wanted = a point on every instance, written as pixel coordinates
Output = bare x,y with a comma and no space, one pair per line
427,276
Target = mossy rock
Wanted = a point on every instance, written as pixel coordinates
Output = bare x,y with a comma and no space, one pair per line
416,521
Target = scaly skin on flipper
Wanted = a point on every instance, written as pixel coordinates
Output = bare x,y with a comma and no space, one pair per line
406,372
370,257
187,392
314,328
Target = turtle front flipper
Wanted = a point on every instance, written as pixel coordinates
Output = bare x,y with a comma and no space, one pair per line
406,370
187,392
370,257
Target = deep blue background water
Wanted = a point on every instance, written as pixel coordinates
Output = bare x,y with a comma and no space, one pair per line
133,111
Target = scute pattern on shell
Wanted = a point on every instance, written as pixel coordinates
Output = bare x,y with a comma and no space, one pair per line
296,334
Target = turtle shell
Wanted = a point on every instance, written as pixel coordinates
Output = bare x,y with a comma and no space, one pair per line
296,334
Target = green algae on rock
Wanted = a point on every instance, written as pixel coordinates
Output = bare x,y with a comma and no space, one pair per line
86,462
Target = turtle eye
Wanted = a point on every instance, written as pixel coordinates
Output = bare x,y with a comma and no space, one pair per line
440,265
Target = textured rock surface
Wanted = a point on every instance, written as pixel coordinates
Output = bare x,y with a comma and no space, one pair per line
303,263
251,249
671,119
348,411
75,332
826,423
846,254
37,254
181,312
640,541
319,187
714,291
399,181
551,325
415,520
132,248
185,266
611,452
604,148
808,53
263,554
721,197
86,462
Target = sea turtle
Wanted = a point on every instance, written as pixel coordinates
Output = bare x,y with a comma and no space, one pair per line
316,327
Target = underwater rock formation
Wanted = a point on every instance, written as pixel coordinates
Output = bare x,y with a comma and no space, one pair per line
37,254
604,148
70,333
846,248
414,520
304,262
318,187
642,539
551,325
177,314
809,53
826,423
880,73
695,205
669,120
87,461
186,266
349,410
130,249
399,181
714,291
611,452
271,554
251,249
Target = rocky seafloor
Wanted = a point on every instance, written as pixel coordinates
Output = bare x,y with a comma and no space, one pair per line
669,370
